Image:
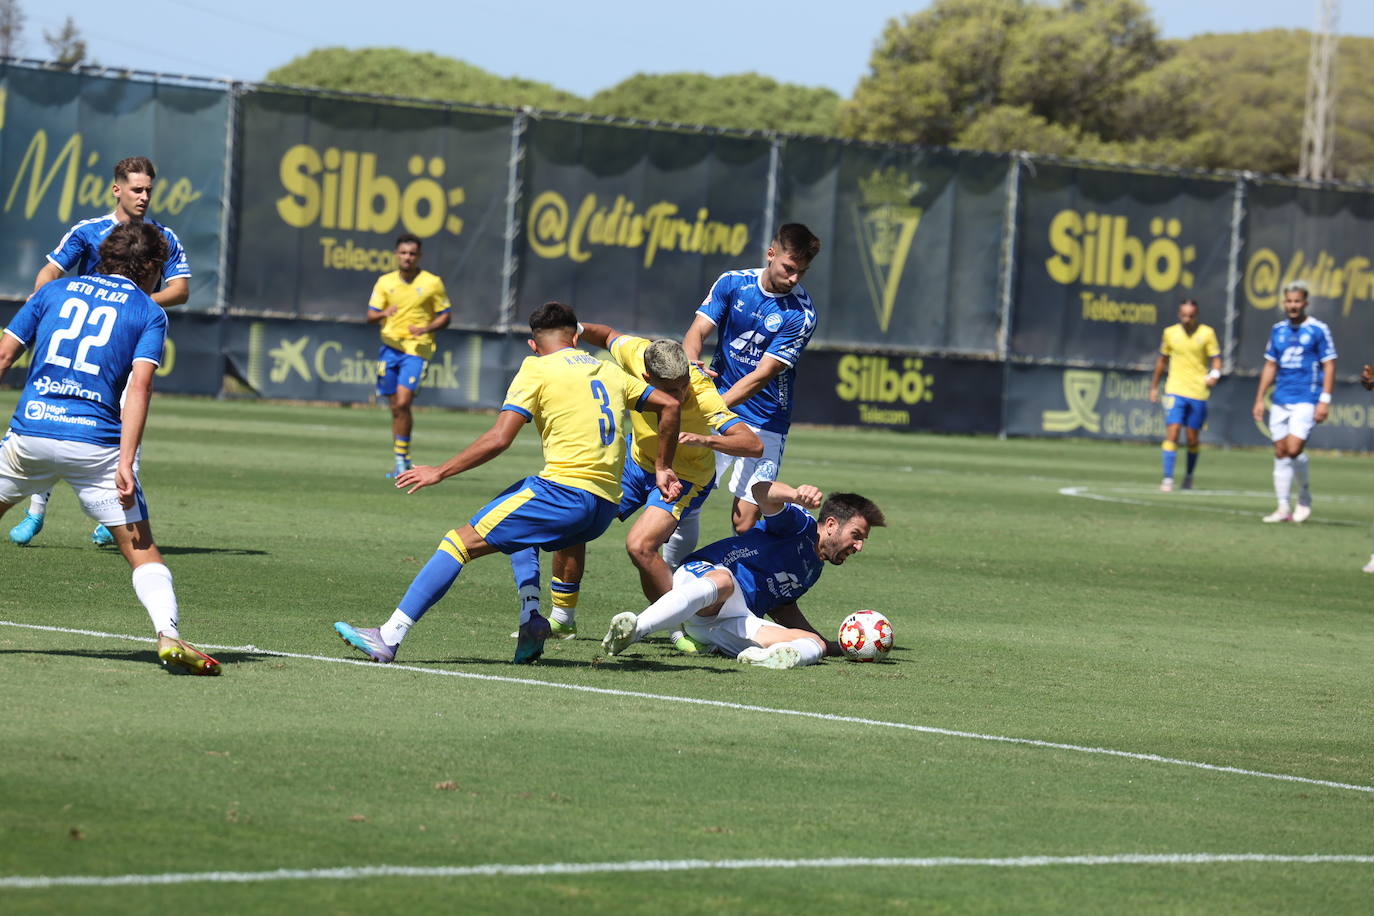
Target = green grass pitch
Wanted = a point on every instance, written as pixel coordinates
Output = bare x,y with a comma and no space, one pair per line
1174,628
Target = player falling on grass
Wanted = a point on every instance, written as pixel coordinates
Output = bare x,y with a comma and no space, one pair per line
1186,348
763,319
1300,362
93,337
706,425
577,402
79,251
411,305
721,593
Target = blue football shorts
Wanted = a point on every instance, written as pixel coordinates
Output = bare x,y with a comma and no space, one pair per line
397,368
1189,412
639,488
535,512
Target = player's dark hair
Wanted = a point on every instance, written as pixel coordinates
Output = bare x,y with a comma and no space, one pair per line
844,506
140,165
1192,302
133,250
553,316
407,237
797,240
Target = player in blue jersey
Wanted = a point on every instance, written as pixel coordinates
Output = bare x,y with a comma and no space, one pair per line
94,339
79,252
1300,362
763,319
721,593
578,404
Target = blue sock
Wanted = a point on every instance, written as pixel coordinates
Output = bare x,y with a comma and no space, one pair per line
1192,460
431,584
524,566
1170,458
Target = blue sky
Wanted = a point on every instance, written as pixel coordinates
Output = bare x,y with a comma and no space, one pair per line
578,47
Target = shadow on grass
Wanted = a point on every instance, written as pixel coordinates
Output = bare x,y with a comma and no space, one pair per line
142,656
627,662
166,550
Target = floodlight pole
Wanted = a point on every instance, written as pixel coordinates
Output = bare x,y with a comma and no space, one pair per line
1318,118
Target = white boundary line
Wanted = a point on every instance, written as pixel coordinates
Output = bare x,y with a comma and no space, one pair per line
1181,501
743,707
18,882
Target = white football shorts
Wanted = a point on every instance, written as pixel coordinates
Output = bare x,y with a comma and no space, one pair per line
738,475
33,464
732,629
1291,420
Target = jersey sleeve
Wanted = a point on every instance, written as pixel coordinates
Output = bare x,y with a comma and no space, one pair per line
1164,349
1213,345
712,405
441,300
791,520
378,299
637,392
791,339
176,267
628,351
67,254
24,325
522,396
717,302
1271,352
1326,350
154,337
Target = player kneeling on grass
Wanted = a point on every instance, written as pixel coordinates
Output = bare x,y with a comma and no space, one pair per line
92,337
721,592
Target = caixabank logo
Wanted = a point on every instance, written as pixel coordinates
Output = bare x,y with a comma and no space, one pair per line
885,222
1126,413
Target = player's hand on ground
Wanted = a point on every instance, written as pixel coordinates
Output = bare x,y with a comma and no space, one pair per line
417,478
668,484
692,439
700,364
809,496
1367,377
124,486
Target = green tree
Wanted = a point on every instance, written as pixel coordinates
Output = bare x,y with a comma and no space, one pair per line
746,101
11,28
66,45
394,71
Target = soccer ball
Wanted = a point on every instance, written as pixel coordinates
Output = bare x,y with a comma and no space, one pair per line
866,636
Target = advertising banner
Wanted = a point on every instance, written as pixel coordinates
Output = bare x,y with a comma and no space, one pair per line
337,361
1104,258
842,388
192,361
632,226
1322,237
326,185
911,243
60,136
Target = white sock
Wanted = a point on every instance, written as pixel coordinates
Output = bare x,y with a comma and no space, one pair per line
1283,480
38,503
808,650
395,629
1300,474
153,586
676,606
563,615
529,602
683,540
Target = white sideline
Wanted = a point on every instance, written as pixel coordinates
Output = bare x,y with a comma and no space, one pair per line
17,882
743,707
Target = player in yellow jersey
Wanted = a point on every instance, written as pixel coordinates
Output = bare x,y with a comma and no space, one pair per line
707,425
410,304
1186,348
577,402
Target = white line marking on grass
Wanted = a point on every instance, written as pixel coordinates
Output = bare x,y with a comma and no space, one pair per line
1183,501
18,882
742,707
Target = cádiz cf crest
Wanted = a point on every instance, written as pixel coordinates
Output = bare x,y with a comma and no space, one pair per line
886,224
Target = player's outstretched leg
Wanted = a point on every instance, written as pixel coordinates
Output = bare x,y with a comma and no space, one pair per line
24,532
176,653
367,640
529,640
621,635
780,655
